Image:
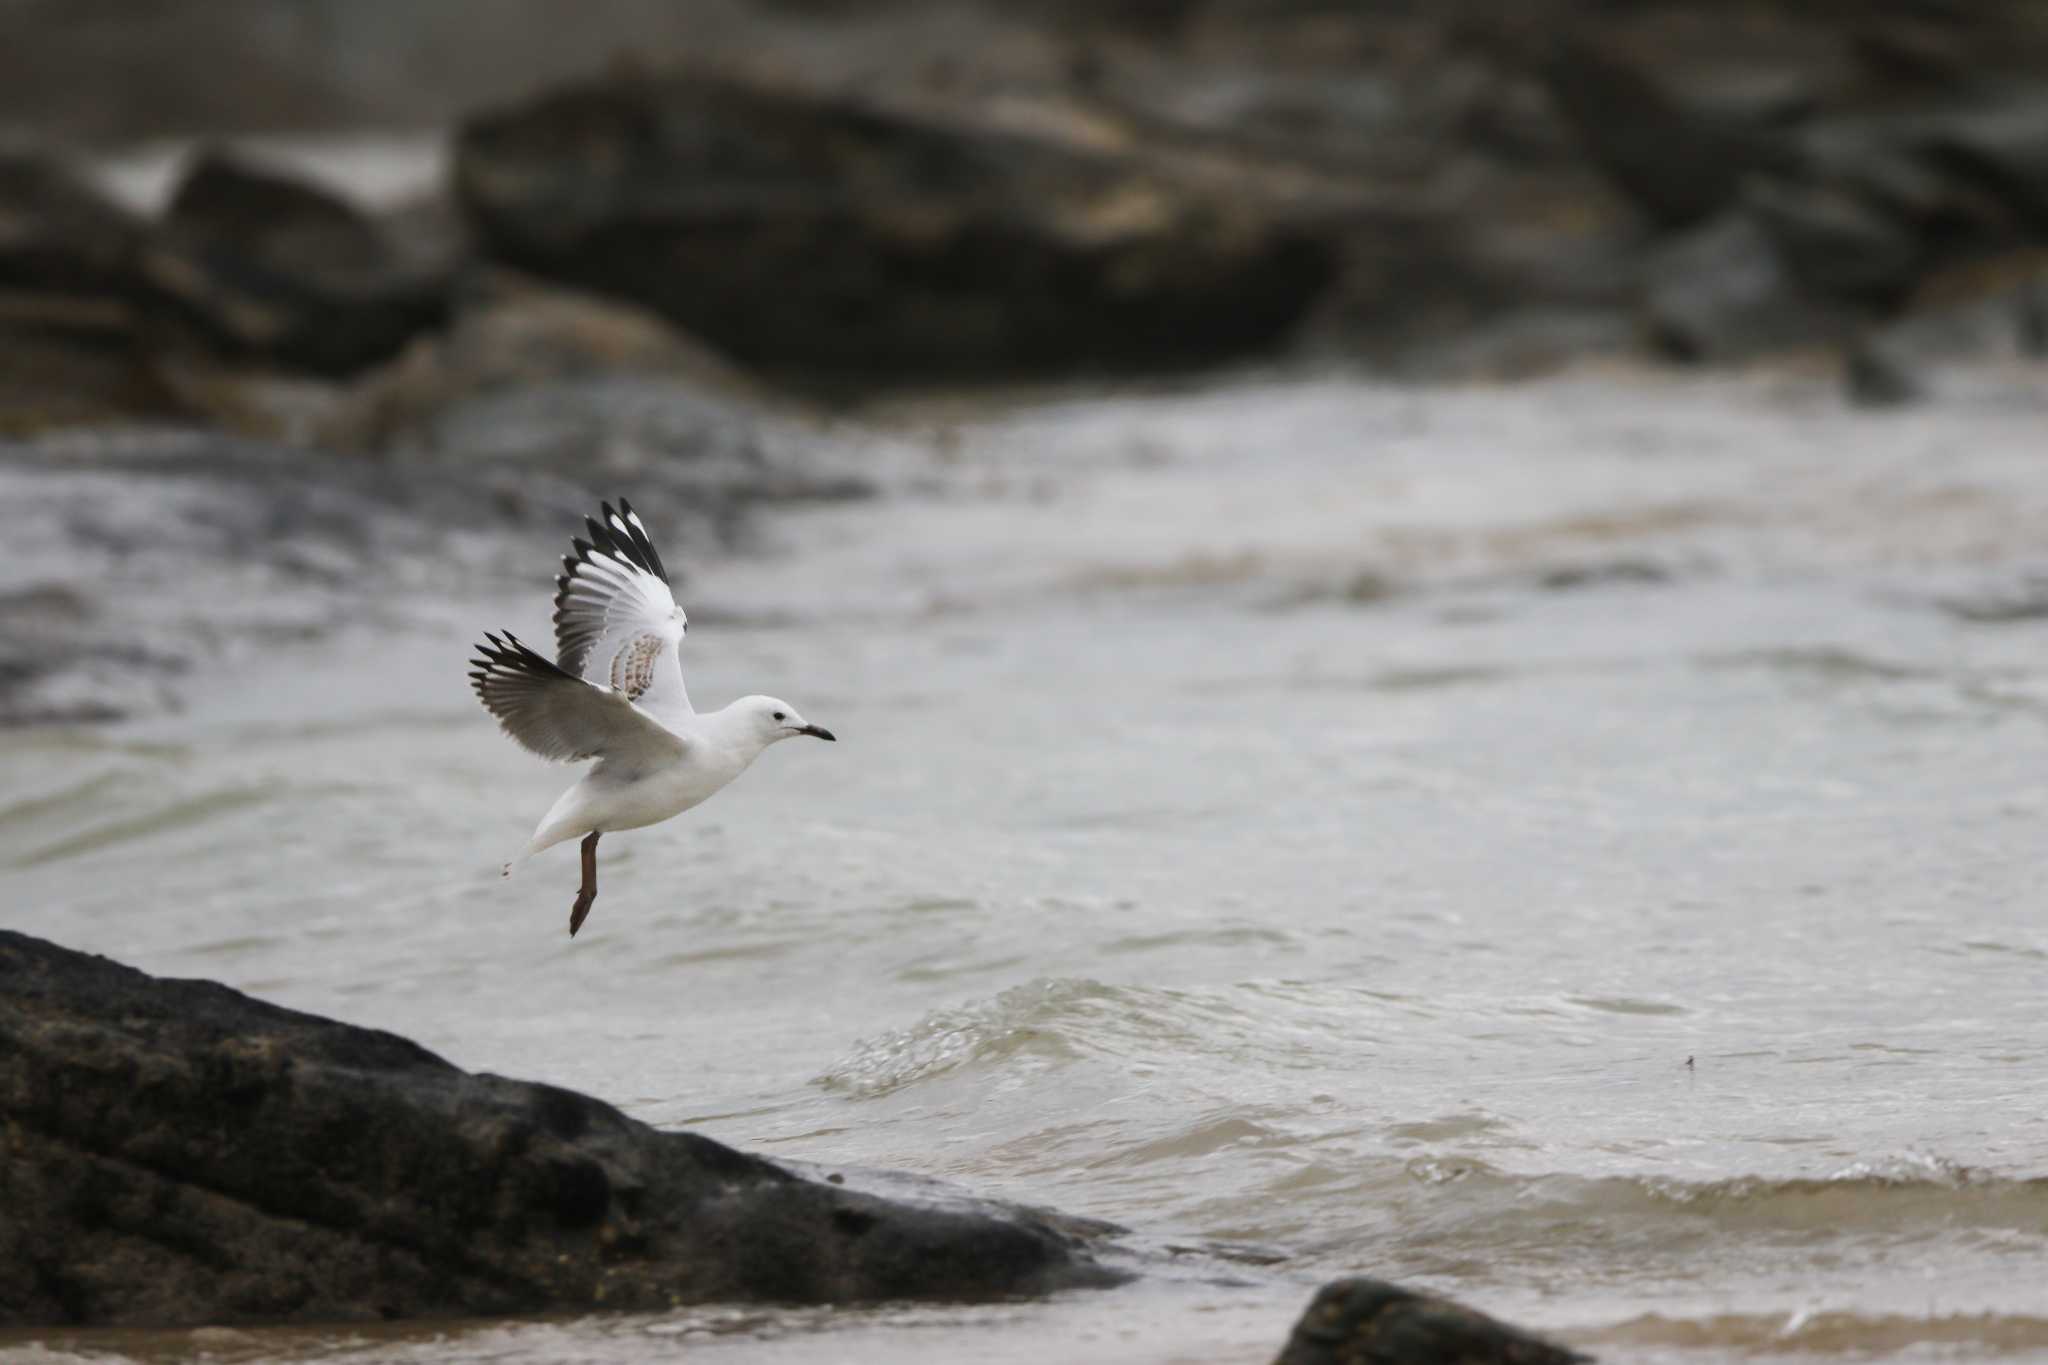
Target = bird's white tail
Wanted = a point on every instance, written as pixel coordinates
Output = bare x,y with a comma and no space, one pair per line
563,821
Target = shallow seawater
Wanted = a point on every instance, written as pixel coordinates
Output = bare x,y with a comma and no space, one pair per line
1575,846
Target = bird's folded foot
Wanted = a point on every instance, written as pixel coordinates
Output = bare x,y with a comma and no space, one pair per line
588,891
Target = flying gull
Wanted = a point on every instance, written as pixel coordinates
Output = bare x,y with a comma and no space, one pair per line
615,693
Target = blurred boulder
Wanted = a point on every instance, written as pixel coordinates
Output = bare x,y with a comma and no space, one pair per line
2006,149
69,350
1874,379
58,234
1979,329
1835,241
530,373
254,264
1370,1322
832,237
1723,292
512,332
836,195
1681,164
534,379
1889,167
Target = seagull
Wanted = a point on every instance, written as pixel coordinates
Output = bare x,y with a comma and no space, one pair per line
614,692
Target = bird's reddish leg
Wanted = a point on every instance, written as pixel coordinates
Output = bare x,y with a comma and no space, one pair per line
588,891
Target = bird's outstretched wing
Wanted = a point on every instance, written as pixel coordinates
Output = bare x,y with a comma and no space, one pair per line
557,715
617,624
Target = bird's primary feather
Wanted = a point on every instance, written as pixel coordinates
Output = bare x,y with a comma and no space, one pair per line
555,714
617,624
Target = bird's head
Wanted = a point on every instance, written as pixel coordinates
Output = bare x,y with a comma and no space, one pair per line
774,720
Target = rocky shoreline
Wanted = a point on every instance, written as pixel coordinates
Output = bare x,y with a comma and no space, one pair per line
174,1153
852,202
675,273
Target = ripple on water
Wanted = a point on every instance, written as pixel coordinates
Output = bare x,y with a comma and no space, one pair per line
946,966
1221,1131
1221,936
78,796
184,812
1053,1022
1903,1197
1832,1335
732,952
1455,1213
1449,1128
1618,1005
238,946
1017,1025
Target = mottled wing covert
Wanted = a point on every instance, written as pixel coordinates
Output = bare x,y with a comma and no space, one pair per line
617,624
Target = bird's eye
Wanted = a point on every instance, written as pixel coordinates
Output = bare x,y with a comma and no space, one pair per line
780,716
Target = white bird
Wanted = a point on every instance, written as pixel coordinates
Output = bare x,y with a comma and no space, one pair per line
616,695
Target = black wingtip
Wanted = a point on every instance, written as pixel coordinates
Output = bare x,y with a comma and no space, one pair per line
643,544
617,532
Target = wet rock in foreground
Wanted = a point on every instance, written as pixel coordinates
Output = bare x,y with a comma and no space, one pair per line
1370,1322
174,1152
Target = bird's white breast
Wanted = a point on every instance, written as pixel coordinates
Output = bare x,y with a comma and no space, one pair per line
630,798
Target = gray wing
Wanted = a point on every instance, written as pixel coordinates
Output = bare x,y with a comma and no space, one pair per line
557,715
617,624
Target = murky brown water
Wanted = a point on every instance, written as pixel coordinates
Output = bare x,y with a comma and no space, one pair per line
1314,816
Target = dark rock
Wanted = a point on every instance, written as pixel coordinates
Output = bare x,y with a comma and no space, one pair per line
69,346
2006,149
66,362
1682,165
1876,379
1835,241
837,194
1371,1322
510,338
258,265
58,235
178,1153
1523,344
1913,50
1978,329
822,235
1724,293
